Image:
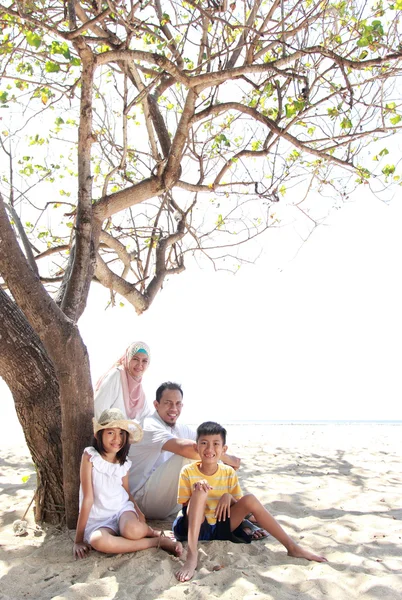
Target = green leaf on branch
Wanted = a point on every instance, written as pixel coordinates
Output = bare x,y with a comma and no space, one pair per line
61,48
33,39
51,67
388,170
346,123
395,120
293,108
220,222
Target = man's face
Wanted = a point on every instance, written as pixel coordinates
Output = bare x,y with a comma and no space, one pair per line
169,407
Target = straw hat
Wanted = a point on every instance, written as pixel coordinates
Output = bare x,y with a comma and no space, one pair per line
113,417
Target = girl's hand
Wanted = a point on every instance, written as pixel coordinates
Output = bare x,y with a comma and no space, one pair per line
141,516
222,511
81,550
202,485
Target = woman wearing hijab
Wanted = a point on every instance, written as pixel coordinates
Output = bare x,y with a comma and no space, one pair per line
121,386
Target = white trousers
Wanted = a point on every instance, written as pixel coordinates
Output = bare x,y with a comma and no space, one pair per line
158,497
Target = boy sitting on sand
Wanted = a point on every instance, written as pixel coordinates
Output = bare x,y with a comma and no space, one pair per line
213,505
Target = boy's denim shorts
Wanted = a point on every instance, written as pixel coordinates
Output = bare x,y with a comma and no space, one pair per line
219,531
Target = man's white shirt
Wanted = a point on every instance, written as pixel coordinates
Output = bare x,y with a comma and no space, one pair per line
147,455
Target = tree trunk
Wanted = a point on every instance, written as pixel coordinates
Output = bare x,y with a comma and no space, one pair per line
77,410
30,375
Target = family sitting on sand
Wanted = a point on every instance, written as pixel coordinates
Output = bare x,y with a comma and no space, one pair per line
132,473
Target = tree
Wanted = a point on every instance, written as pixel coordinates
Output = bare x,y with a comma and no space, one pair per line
167,128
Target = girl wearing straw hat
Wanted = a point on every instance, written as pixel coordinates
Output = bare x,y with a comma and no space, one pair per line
109,519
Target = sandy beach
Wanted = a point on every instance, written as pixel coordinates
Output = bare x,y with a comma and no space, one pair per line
334,488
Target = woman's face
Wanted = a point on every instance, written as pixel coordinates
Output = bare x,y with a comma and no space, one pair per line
138,364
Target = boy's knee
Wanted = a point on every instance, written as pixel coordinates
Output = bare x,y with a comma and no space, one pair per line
250,499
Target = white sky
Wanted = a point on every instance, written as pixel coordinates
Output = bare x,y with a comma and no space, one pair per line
312,336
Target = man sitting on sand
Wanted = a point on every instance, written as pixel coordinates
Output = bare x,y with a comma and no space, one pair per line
213,505
158,458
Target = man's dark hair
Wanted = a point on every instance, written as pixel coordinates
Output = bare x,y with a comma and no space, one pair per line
121,454
211,428
168,385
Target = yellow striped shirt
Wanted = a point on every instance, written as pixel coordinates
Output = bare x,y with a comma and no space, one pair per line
222,482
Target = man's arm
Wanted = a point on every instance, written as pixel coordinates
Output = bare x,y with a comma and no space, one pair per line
231,460
182,447
187,449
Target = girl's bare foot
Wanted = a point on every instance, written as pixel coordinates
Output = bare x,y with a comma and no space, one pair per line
158,533
187,570
170,545
299,552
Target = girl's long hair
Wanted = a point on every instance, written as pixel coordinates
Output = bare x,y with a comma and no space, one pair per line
121,455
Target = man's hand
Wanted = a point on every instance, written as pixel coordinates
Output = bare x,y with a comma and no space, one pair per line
222,511
231,460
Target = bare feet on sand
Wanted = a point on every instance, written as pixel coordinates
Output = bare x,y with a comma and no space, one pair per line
170,545
186,572
158,533
299,552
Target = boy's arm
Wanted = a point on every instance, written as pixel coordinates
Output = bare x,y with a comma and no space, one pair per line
80,548
184,490
182,447
222,511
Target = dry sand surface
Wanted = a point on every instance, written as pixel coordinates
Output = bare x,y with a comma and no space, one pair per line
334,488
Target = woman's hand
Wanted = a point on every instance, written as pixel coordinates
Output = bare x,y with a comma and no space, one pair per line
81,550
222,511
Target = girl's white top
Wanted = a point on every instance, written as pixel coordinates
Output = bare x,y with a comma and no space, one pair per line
110,497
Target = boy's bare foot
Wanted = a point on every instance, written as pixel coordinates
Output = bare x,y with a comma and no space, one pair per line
187,570
299,552
170,545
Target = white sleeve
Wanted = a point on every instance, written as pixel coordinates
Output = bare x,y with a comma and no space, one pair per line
109,393
186,432
146,412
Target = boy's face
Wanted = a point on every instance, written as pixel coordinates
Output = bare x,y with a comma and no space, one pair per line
210,448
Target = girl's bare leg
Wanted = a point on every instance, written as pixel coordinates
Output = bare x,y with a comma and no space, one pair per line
249,503
134,529
104,540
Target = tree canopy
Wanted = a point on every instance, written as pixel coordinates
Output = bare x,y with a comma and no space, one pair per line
180,124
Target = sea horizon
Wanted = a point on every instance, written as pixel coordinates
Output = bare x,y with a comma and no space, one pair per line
304,422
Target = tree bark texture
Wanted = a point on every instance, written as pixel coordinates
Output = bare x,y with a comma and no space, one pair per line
65,348
30,375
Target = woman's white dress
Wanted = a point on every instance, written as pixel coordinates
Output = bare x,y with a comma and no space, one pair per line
110,395
110,497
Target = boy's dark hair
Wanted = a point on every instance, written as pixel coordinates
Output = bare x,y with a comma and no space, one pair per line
121,454
167,385
211,428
